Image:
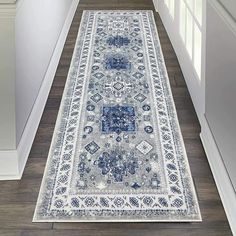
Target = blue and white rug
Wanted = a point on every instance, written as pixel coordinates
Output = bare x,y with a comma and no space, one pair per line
117,152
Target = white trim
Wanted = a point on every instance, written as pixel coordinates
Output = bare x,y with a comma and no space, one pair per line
7,1
9,165
155,3
7,10
224,185
15,160
196,86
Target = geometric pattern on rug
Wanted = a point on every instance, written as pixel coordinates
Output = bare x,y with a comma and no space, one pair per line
117,152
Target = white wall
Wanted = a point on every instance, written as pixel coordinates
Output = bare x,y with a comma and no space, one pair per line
230,6
7,1
38,26
208,62
185,24
32,37
7,83
219,129
221,87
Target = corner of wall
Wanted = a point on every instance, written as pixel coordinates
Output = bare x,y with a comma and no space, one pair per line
7,75
12,162
224,185
9,168
155,3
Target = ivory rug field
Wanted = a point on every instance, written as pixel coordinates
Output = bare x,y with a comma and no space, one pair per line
117,152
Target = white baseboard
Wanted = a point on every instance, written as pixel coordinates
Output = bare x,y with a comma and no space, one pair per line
12,162
9,168
224,185
155,3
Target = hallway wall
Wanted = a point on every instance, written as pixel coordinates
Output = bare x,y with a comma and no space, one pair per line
185,24
7,90
221,87
33,40
218,128
203,34
230,6
38,26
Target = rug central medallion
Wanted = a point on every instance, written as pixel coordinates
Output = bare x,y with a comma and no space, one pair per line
117,151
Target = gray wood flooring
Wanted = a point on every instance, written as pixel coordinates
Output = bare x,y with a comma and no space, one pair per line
18,198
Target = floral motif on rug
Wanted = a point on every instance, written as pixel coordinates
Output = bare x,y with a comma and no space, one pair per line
117,152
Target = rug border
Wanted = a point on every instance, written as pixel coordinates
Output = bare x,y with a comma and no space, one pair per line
178,125
193,188
57,121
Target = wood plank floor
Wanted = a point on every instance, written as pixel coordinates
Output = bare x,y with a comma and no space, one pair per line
18,198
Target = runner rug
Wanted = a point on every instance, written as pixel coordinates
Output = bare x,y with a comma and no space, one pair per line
117,152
